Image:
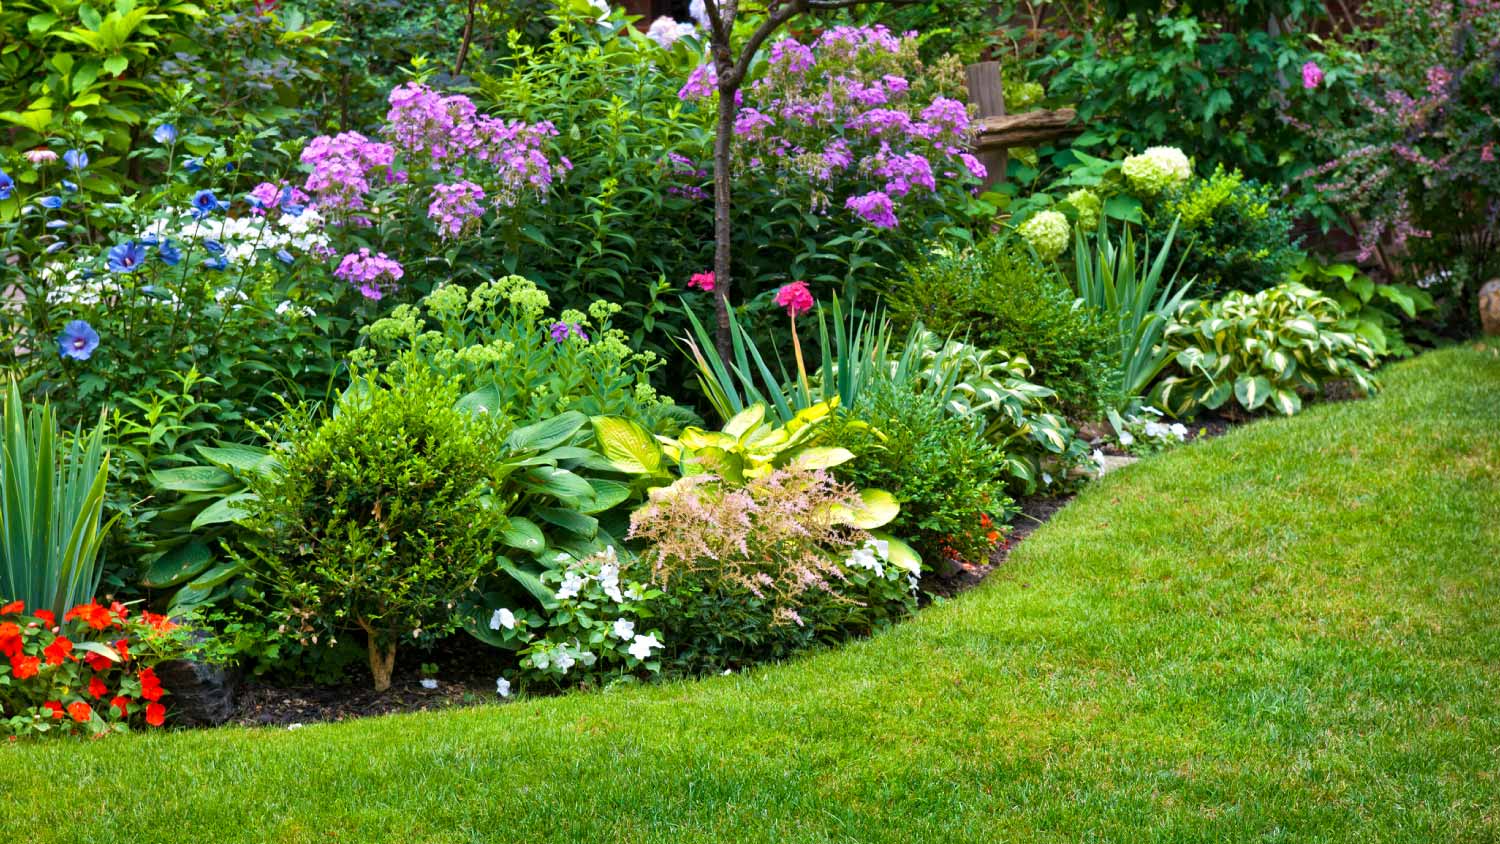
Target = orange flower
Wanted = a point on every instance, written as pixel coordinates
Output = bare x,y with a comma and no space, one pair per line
122,646
24,667
98,662
120,610
160,623
80,711
93,615
56,707
122,703
150,685
156,714
97,689
10,639
60,649
13,608
47,617
984,519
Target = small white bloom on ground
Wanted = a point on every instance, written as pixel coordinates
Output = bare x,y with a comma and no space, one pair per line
624,629
294,726
1127,438
429,683
502,687
641,647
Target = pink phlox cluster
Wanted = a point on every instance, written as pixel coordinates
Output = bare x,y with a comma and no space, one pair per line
456,208
371,274
342,166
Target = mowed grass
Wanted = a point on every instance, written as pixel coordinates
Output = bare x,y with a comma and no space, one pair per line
1291,633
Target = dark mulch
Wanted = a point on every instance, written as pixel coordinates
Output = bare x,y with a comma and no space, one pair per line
266,705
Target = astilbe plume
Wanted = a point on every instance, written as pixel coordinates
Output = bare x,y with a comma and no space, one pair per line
775,537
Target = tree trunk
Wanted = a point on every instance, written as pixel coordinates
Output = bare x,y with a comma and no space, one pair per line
382,658
723,283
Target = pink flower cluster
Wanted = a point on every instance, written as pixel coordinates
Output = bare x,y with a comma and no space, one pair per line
795,297
840,115
372,275
456,208
342,169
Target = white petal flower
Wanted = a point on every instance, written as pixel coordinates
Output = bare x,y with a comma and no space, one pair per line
429,683
624,629
641,647
1126,438
502,687
563,660
503,618
570,586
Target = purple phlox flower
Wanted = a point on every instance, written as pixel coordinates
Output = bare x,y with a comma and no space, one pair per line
561,331
456,209
370,274
701,83
127,257
78,340
875,208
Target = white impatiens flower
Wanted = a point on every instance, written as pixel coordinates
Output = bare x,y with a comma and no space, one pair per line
429,683
503,618
570,586
1127,438
865,557
603,8
502,687
1179,430
609,580
642,646
563,660
624,629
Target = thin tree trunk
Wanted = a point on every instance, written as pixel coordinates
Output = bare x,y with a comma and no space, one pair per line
723,282
382,658
463,48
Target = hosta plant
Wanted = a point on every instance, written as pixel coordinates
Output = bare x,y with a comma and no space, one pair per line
1267,349
1373,311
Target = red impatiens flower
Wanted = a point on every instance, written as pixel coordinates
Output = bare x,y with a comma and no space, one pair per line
93,615
122,703
120,610
156,714
150,685
13,608
122,647
80,711
60,649
97,689
160,623
10,639
56,707
97,661
24,667
49,620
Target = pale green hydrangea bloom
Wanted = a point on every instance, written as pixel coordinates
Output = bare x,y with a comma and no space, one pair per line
1048,233
1086,203
1156,169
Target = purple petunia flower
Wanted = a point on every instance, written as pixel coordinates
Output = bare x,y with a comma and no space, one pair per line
78,340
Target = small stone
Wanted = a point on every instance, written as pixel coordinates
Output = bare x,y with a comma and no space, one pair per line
1489,307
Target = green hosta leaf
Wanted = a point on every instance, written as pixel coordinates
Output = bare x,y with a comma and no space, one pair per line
1303,326
194,479
629,447
178,565
880,507
1278,362
570,520
1213,396
529,579
901,555
822,457
1252,391
224,510
546,433
561,484
745,420
1286,402
523,534
484,400
607,495
242,458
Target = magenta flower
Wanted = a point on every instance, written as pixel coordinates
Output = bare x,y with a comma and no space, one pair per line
456,208
875,208
1312,75
702,281
372,275
795,298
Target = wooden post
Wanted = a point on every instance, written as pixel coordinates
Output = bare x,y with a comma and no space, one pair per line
988,92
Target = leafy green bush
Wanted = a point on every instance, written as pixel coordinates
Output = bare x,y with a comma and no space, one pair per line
1236,235
1373,311
998,295
949,479
381,517
1265,349
759,572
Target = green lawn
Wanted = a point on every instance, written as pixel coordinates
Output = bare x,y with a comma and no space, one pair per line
1291,633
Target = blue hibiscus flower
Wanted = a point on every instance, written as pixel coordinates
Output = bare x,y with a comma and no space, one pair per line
78,340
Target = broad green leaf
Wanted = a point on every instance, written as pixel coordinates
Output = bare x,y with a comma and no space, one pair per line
547,433
1252,391
178,565
629,447
822,457
880,507
570,520
523,534
193,479
607,494
226,509
242,458
485,400
1286,402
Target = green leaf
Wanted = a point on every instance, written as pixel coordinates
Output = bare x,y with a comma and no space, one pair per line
116,65
880,507
523,534
561,484
486,399
822,457
569,520
224,510
607,494
1252,392
178,565
1286,402
38,24
546,433
241,458
628,447
193,479
89,17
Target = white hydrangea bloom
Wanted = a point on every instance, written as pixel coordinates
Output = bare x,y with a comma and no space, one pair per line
1048,233
1156,169
665,31
503,618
